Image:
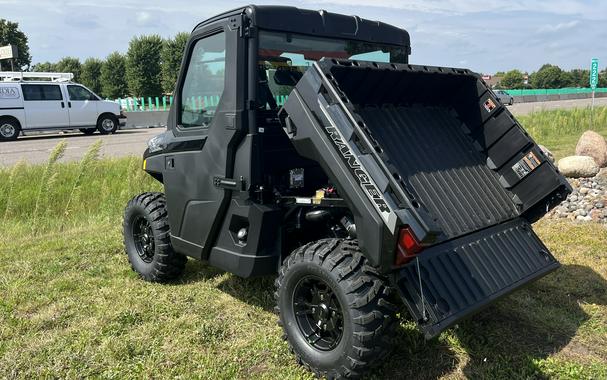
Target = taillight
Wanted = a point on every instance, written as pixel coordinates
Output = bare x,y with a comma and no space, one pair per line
407,247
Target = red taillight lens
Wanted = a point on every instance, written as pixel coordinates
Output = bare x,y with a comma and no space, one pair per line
407,247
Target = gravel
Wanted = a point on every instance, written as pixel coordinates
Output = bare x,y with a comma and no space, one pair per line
586,203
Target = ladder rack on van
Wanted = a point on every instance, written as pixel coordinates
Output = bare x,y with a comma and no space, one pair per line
10,76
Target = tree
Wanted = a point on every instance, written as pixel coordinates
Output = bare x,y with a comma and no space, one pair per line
550,76
513,79
143,72
90,75
171,56
602,78
113,76
44,67
10,34
580,77
69,65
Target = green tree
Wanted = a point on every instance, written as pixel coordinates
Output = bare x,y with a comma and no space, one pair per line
46,67
513,79
69,65
580,77
143,72
90,74
171,56
113,76
10,34
550,76
602,79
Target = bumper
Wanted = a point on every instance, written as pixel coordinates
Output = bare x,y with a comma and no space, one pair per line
462,276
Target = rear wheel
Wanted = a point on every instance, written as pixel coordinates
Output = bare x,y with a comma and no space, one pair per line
334,308
107,124
147,239
9,129
87,131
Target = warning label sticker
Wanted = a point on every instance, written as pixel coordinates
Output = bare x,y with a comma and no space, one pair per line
489,105
526,165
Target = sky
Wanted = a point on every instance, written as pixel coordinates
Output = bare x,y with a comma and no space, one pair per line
485,36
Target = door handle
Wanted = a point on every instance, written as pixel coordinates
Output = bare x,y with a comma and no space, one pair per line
62,105
69,104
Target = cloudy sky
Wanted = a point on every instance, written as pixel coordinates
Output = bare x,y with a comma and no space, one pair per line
485,36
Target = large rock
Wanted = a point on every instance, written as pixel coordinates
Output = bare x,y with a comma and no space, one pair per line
547,153
592,144
578,166
601,177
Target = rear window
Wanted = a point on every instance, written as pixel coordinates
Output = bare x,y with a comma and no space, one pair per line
41,92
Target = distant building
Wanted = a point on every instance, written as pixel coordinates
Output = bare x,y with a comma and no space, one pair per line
491,80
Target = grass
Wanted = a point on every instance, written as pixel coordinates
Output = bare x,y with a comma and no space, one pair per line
559,130
70,307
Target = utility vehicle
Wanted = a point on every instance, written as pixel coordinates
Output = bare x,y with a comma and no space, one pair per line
51,101
303,144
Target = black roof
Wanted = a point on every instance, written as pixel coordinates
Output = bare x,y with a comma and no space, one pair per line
320,23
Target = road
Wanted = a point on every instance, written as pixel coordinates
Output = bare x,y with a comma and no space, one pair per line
36,148
526,108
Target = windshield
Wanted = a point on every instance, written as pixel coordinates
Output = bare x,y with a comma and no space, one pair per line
284,57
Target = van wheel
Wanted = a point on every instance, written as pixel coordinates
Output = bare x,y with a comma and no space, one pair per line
147,239
107,124
335,309
87,131
9,129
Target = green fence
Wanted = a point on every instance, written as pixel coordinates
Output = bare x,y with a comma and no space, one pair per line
163,103
554,91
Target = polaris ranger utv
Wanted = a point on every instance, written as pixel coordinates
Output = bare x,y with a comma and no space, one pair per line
303,144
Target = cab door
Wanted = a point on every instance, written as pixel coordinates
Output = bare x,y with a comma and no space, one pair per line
44,106
82,106
207,121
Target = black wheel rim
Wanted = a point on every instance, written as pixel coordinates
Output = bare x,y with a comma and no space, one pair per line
143,238
318,313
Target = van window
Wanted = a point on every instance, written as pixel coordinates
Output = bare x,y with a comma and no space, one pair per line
204,82
80,93
41,92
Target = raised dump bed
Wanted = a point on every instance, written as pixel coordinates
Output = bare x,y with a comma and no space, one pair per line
433,150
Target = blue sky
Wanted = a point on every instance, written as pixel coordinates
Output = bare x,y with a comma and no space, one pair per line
485,36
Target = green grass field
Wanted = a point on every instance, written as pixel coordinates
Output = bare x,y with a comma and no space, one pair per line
70,307
559,130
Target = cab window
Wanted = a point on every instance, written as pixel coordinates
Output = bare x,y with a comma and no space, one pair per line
80,93
285,57
204,82
41,92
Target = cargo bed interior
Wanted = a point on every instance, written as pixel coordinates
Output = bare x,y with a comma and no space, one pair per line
453,147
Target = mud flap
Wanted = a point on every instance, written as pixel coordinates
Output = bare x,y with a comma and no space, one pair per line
464,275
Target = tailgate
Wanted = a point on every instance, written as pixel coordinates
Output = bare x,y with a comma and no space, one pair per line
464,275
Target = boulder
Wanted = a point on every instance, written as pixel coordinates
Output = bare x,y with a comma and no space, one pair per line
547,153
592,144
601,177
578,166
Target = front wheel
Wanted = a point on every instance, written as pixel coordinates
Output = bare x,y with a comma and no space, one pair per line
107,124
147,239
334,308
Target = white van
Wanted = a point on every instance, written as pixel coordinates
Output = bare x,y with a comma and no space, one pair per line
48,105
